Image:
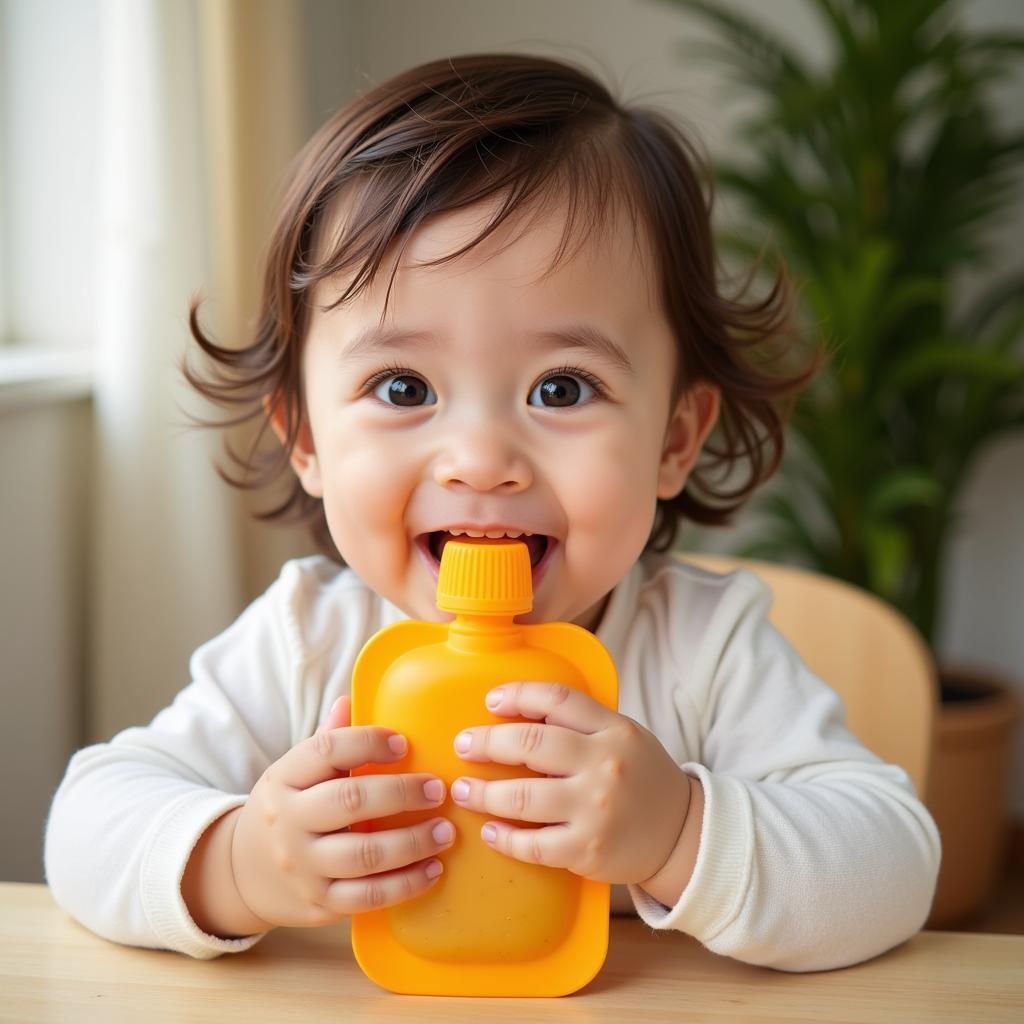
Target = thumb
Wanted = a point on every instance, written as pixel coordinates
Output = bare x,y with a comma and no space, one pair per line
339,716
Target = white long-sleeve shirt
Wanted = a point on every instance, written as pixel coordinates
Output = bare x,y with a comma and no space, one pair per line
814,854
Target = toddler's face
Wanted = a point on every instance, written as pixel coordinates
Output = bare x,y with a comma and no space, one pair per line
490,420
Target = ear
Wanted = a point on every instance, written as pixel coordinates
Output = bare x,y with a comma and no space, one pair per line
691,421
303,456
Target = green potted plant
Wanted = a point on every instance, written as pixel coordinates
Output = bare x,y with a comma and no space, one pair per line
878,172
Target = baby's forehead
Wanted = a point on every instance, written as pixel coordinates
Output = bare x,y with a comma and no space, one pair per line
511,299
546,245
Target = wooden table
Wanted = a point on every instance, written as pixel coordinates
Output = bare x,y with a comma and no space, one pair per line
51,969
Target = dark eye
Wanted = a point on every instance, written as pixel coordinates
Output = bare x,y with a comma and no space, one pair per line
561,390
404,389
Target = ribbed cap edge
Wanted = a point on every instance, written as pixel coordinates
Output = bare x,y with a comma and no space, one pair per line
485,578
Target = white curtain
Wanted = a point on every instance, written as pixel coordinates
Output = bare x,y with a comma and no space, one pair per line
168,564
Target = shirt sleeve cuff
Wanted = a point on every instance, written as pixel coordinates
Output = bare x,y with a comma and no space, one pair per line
722,874
174,837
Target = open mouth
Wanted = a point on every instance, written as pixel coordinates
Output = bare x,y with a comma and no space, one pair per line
539,545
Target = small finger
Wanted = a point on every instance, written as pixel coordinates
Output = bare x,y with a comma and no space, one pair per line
357,854
358,895
537,800
325,753
550,845
337,803
546,749
554,703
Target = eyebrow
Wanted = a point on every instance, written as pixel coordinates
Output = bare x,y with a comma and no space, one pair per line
570,336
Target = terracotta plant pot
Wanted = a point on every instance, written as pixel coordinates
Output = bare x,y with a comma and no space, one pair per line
968,790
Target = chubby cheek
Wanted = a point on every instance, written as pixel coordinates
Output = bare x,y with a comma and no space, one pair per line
365,497
609,499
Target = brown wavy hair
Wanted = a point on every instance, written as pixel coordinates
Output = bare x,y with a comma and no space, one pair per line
523,128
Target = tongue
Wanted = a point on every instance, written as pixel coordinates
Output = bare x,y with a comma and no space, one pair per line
536,544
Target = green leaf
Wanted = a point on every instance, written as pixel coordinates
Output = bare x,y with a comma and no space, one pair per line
887,550
904,295
951,357
900,489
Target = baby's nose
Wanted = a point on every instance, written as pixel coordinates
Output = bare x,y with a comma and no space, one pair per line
485,461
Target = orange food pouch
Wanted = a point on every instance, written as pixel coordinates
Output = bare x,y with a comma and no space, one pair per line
491,925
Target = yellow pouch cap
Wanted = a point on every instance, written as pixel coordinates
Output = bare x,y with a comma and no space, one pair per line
485,579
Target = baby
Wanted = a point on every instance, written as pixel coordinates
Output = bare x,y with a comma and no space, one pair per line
490,308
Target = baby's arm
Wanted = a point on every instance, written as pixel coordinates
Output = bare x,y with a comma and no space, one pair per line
224,817
128,812
813,853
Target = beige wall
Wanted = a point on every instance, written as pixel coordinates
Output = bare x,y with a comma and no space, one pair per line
44,507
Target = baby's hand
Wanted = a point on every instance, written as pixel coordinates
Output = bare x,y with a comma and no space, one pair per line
295,863
615,801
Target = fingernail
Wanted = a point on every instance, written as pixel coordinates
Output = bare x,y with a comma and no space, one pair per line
493,699
460,789
489,833
443,832
433,790
463,742
398,744
334,707
434,868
